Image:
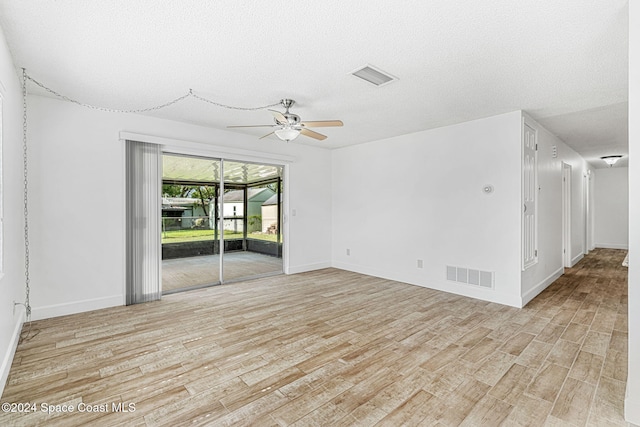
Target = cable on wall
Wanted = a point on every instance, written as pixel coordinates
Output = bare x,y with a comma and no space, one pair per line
25,170
25,78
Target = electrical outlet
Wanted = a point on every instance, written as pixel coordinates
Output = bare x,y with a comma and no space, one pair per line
348,252
420,263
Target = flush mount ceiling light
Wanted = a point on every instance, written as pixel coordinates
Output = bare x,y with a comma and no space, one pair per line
611,160
374,75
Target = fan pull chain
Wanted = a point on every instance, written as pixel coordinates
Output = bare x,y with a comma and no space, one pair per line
27,303
25,336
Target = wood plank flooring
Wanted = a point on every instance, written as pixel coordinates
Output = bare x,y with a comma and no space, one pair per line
334,348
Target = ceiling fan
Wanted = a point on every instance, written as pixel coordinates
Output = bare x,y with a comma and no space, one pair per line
288,126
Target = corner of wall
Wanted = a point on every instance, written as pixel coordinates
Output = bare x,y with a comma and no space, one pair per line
7,360
541,286
57,310
576,259
307,267
11,282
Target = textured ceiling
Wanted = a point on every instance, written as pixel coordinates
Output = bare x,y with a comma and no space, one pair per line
563,62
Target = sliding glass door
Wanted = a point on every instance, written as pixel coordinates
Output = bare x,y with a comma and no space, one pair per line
221,221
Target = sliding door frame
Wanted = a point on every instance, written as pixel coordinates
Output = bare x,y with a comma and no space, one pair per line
199,149
221,185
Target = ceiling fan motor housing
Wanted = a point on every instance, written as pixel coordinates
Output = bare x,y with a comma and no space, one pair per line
287,103
293,119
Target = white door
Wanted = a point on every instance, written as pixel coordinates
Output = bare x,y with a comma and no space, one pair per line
529,197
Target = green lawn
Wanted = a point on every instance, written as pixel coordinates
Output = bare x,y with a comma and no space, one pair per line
191,235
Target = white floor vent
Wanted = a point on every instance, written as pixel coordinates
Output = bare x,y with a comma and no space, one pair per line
470,276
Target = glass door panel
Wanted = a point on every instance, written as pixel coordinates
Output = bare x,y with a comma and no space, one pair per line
252,220
190,250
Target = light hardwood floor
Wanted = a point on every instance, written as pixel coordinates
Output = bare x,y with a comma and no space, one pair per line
334,348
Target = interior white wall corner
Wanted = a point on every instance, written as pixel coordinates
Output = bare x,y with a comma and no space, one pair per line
12,279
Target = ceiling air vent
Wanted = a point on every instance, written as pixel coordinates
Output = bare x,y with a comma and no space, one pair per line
374,75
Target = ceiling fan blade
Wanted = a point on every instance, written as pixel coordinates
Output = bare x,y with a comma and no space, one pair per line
322,123
252,126
264,136
280,118
312,134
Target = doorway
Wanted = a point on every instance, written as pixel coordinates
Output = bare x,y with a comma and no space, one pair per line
587,211
566,214
221,221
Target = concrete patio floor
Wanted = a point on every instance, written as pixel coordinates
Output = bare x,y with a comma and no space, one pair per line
202,270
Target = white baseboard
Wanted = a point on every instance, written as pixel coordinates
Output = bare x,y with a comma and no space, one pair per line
577,259
46,312
7,360
612,245
531,294
631,409
307,267
464,290
355,268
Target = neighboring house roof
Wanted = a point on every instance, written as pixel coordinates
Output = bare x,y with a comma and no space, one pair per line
238,195
272,200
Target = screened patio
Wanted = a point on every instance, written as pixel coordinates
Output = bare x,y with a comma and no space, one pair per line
221,221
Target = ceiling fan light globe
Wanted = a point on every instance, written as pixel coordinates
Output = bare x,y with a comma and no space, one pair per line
287,134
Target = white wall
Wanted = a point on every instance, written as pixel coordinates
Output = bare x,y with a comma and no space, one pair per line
419,196
550,256
78,259
611,211
632,409
12,277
